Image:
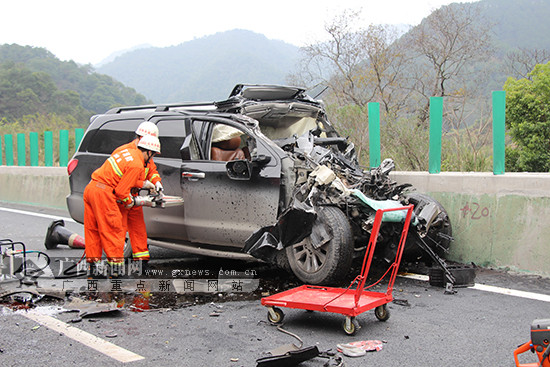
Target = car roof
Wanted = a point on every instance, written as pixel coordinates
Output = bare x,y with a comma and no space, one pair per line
266,92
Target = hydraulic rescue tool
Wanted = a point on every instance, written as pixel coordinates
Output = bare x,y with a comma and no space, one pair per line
539,344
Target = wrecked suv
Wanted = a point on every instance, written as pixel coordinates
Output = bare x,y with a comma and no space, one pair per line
263,170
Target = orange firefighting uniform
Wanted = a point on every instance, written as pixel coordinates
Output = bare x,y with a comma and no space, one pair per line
134,217
104,227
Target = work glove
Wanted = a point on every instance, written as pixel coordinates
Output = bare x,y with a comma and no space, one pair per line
130,204
159,189
148,185
145,201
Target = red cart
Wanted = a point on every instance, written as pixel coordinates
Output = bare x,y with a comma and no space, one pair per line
348,302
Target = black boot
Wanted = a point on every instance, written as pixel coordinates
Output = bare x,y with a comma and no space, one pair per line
94,272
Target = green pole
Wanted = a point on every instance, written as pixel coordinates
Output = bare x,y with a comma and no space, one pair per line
499,131
63,148
374,133
48,148
1,156
8,140
21,150
436,124
78,134
33,141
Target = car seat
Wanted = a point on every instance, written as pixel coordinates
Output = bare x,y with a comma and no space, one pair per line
227,150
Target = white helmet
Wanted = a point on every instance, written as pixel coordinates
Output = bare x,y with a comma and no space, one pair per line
150,142
147,128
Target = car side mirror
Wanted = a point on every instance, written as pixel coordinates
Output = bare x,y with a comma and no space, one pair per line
261,160
239,170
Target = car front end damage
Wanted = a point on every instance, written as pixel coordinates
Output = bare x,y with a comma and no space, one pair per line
331,213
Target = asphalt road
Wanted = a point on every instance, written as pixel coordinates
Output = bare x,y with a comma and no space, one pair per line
427,327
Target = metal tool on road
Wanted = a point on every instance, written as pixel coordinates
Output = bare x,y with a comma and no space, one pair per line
15,265
539,344
13,260
348,302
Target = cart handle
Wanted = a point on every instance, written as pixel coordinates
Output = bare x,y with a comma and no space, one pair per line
357,279
367,261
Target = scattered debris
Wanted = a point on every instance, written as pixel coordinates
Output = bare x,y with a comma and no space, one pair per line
234,359
291,358
87,308
402,302
111,334
34,328
362,345
289,354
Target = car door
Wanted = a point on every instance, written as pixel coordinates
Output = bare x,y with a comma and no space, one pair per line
219,210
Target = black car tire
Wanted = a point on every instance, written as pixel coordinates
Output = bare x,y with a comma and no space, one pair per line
329,263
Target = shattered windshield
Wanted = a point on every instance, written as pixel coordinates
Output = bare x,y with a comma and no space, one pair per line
288,127
279,120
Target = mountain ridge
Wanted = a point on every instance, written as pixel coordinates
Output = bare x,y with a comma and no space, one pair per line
213,65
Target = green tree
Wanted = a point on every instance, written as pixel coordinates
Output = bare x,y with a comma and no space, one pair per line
528,121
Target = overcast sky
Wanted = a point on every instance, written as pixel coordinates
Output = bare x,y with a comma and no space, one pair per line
89,31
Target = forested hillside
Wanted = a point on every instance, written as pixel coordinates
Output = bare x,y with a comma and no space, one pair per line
206,68
33,81
519,23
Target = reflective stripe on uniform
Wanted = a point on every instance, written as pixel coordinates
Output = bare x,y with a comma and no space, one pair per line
155,176
140,254
116,263
115,167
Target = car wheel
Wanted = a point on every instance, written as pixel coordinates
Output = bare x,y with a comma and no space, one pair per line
332,261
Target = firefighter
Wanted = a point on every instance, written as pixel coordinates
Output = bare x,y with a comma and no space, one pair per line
106,198
135,222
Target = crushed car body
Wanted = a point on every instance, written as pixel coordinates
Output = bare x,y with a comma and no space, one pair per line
265,173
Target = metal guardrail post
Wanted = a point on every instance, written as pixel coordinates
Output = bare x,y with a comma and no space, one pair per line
21,150
78,134
374,133
499,131
8,141
34,150
436,124
48,148
63,148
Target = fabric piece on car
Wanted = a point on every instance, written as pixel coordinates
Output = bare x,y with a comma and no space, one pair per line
224,132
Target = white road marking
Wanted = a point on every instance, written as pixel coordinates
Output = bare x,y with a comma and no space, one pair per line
92,341
37,214
490,288
512,292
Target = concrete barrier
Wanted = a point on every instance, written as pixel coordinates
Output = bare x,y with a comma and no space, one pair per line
500,221
44,186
